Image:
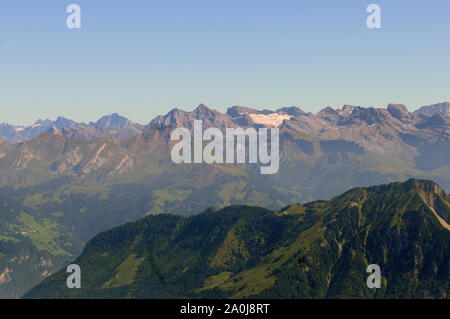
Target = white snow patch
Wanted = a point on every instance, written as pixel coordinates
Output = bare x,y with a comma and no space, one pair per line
273,120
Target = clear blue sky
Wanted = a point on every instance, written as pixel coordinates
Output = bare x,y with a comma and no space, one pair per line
141,58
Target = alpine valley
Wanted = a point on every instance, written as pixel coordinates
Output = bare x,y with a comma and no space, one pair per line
63,182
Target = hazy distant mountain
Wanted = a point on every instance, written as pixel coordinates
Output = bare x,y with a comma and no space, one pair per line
442,109
316,250
121,128
326,120
320,155
293,110
94,133
178,118
113,121
17,134
108,126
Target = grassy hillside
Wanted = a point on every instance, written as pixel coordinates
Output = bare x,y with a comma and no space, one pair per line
31,248
316,250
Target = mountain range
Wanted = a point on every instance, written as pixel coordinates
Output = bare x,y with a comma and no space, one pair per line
72,181
314,250
112,125
121,128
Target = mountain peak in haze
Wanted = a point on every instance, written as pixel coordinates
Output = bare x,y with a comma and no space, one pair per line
62,122
202,108
399,111
328,114
292,110
237,111
113,121
442,109
180,118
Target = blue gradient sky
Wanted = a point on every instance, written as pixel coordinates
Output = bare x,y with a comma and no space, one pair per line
141,58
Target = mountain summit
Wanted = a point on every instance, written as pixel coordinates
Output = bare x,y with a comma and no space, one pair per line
442,109
113,121
178,118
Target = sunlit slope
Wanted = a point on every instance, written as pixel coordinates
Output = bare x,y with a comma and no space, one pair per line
315,250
